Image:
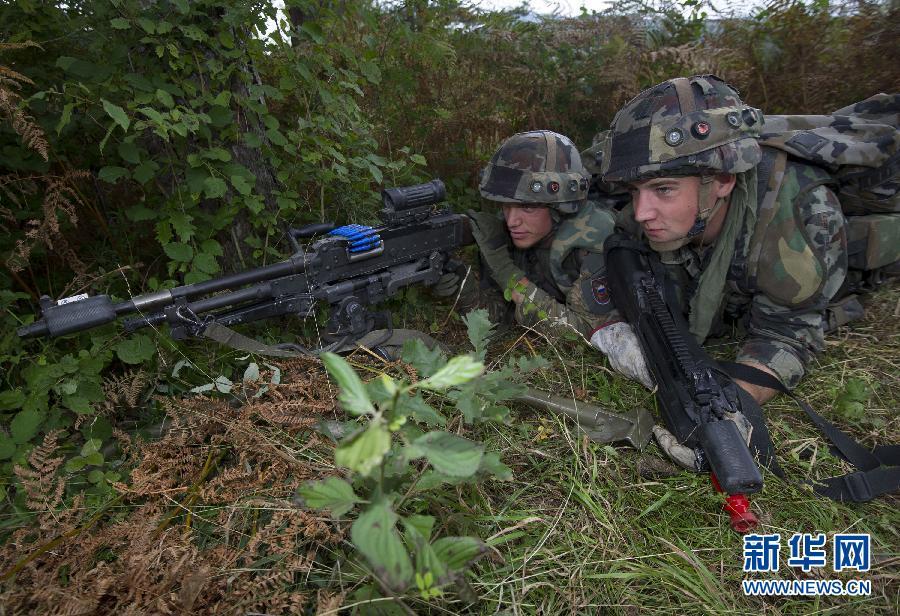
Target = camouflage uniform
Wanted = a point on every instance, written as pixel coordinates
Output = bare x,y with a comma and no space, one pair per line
542,167
789,256
565,273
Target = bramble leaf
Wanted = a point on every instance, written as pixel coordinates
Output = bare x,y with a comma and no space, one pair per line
353,396
333,493
365,450
450,454
375,535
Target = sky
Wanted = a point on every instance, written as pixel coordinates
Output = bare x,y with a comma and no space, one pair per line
568,8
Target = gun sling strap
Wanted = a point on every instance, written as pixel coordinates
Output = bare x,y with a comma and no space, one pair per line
384,340
877,471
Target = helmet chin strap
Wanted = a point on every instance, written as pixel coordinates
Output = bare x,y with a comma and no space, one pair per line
704,214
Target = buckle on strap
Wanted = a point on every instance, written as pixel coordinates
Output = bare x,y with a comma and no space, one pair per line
858,487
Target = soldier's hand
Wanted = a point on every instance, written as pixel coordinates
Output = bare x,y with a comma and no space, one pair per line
492,238
620,345
487,228
682,455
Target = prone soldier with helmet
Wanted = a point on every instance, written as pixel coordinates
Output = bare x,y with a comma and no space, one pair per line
539,238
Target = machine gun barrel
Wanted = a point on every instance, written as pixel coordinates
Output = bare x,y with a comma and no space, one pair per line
350,268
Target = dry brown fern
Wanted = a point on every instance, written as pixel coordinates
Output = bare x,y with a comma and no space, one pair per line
43,488
59,196
125,390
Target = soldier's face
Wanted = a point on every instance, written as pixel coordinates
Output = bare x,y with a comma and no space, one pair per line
527,224
666,208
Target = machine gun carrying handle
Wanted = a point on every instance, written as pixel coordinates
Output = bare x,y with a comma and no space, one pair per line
300,233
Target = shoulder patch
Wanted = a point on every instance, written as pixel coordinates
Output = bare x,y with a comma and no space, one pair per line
595,293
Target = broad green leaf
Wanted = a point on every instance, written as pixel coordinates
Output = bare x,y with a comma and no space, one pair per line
375,535
65,117
491,465
136,349
426,361
90,446
222,99
212,247
144,172
11,399
7,447
423,525
223,384
353,397
116,113
457,553
183,225
75,464
165,98
332,493
214,187
98,427
479,328
420,410
216,154
457,371
241,185
78,403
251,373
376,174
129,152
450,454
25,425
152,114
371,72
418,159
139,213
178,251
112,174
365,450
252,140
95,459
206,263
276,137
95,476
148,26
120,23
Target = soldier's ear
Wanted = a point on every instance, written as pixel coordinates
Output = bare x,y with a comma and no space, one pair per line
724,184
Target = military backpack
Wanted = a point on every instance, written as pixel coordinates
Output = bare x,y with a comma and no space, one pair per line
858,150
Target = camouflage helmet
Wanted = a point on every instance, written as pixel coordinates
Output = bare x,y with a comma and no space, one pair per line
539,167
685,126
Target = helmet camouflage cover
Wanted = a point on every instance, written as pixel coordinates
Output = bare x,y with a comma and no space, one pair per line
536,167
684,126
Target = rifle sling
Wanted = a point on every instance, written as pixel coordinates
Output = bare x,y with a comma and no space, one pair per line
878,470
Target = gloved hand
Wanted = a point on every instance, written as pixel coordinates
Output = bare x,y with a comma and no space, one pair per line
620,345
491,236
684,456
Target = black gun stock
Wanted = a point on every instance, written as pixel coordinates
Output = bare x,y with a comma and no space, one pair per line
351,268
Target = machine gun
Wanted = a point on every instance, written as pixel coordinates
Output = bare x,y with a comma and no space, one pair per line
350,268
698,401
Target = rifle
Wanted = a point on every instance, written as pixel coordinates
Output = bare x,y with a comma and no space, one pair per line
695,396
350,268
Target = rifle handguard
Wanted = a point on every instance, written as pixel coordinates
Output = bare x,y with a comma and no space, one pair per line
61,319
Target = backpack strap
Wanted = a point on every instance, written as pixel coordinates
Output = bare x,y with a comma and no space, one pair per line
878,470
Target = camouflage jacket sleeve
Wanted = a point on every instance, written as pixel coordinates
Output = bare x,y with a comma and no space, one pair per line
587,304
784,338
